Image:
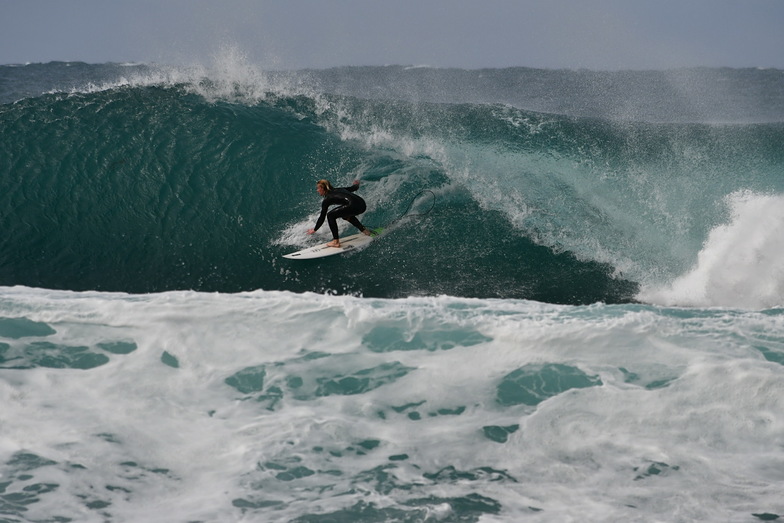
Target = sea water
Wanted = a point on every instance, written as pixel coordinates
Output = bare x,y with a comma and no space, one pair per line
575,316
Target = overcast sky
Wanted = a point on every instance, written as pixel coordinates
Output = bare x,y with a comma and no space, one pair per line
295,34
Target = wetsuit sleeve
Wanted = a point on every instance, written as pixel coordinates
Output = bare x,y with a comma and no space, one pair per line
353,188
324,206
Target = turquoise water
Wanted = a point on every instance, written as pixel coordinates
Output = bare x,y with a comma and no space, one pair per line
574,313
155,182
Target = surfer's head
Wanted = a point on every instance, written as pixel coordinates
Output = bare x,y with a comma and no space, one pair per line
323,187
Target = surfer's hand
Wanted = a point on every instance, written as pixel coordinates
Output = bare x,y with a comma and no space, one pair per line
356,182
311,231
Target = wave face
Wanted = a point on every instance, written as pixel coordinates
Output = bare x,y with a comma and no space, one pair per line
145,179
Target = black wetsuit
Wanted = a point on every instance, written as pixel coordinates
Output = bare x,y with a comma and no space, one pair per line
350,205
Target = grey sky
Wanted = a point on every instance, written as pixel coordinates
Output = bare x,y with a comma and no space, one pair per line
293,34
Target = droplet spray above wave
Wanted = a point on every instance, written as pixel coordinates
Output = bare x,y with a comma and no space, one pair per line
226,76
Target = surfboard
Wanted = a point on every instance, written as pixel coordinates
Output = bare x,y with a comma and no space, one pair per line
347,244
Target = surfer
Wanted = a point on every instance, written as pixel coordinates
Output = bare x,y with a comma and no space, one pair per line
350,205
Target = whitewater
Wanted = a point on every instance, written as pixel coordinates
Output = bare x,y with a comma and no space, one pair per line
575,315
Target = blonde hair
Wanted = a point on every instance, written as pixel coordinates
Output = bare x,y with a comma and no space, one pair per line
324,184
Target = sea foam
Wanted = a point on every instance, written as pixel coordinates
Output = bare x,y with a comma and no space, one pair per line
740,264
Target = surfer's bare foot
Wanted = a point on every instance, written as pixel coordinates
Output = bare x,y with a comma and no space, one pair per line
366,232
334,243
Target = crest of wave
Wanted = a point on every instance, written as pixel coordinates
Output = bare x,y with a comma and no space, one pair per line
227,75
231,77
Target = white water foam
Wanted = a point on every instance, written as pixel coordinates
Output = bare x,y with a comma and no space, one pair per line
684,424
741,263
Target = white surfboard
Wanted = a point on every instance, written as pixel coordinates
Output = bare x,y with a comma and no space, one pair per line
347,244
